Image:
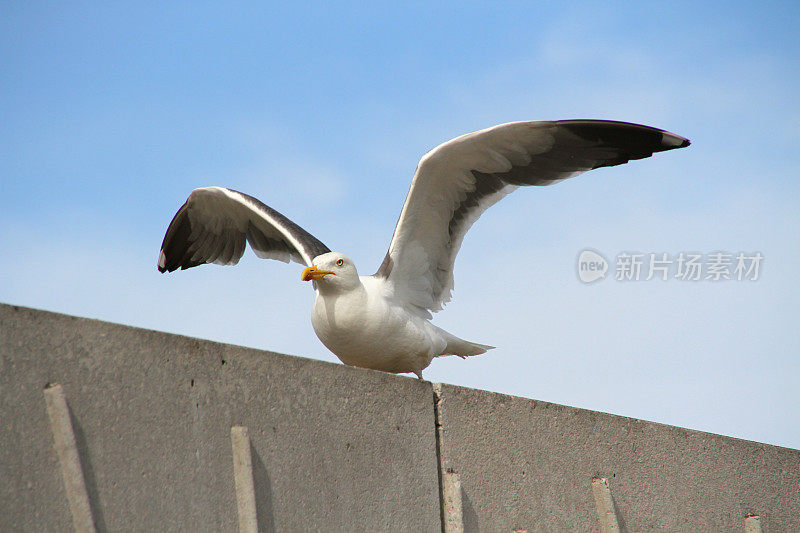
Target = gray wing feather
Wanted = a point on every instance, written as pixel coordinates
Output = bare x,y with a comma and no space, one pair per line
458,180
215,224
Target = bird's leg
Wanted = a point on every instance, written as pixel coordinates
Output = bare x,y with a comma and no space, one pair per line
418,373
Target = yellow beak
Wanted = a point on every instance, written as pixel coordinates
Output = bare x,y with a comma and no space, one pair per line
312,273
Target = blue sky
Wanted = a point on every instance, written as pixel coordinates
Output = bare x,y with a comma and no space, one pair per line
111,114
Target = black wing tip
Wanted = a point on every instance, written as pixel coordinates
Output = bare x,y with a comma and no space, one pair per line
162,265
670,141
181,263
162,262
182,266
174,253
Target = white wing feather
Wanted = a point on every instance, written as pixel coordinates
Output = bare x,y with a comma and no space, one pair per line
457,181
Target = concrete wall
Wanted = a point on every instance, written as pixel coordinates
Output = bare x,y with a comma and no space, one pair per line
341,449
334,448
525,464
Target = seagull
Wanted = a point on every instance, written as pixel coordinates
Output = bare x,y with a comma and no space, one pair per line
382,321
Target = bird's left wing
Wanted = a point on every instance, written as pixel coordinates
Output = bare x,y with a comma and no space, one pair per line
214,224
458,180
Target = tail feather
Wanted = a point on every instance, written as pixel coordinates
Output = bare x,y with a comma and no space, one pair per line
462,348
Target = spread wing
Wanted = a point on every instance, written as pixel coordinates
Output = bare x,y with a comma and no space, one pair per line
214,224
458,180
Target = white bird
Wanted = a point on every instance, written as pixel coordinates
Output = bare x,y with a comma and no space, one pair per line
383,321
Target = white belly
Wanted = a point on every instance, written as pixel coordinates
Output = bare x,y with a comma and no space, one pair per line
364,330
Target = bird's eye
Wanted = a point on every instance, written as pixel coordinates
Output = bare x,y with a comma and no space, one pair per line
339,262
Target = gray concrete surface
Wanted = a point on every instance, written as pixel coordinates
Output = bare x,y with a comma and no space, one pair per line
334,448
529,465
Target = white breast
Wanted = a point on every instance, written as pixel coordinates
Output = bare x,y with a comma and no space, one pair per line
365,329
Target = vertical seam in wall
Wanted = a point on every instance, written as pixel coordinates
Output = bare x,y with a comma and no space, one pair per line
437,390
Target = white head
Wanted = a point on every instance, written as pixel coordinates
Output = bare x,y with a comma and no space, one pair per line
332,270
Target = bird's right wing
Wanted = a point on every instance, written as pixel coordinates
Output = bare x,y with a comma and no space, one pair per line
214,223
